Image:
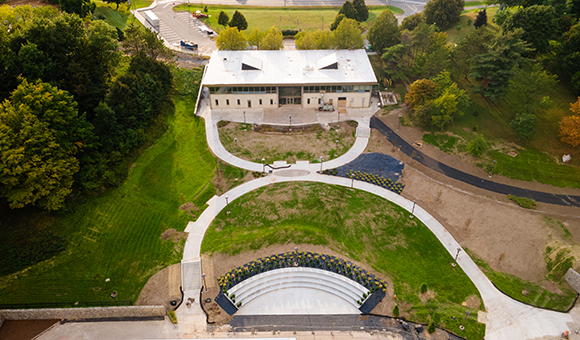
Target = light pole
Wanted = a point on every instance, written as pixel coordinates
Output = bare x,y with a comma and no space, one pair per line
462,327
351,182
227,206
456,256
244,117
263,164
413,210
321,161
290,118
338,116
236,142
337,145
493,167
399,126
322,28
204,284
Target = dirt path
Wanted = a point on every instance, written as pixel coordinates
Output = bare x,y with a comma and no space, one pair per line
162,288
509,238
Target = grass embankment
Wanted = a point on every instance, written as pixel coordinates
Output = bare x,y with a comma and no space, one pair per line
308,145
534,293
304,18
361,226
118,17
118,234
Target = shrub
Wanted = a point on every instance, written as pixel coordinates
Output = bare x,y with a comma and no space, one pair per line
423,288
172,317
478,146
523,202
396,311
239,304
431,328
223,123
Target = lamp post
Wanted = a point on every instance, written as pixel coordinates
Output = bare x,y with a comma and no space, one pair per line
321,161
227,206
290,118
204,284
244,117
413,210
338,116
236,142
263,164
493,167
399,126
322,28
456,256
351,182
337,145
462,327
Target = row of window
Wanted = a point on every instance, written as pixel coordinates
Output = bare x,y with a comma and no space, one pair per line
217,103
243,90
307,89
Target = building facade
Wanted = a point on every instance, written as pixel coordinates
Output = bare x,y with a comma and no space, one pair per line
301,78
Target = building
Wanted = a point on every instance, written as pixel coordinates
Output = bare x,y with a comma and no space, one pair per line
302,78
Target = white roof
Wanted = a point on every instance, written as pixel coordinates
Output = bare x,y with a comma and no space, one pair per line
292,67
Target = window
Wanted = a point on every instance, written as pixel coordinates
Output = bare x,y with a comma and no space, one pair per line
308,101
271,101
238,102
217,103
227,102
249,103
260,102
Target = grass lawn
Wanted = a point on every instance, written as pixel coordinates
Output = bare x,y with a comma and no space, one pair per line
514,286
112,17
117,235
305,18
456,35
309,145
361,226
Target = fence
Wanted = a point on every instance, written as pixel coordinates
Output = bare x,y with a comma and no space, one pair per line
77,304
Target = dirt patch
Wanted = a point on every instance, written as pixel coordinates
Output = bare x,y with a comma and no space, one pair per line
214,311
427,295
33,3
275,144
509,238
223,181
173,235
24,329
162,288
472,302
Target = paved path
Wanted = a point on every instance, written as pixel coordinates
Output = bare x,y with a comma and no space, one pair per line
409,150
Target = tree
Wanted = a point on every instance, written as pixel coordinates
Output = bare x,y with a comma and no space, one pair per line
474,43
348,36
494,68
80,7
117,2
223,19
570,126
239,21
348,10
337,21
255,37
501,16
574,8
436,55
481,19
362,12
231,39
40,134
396,311
273,40
410,22
538,23
530,88
567,58
314,40
384,32
523,125
443,13
138,41
420,92
477,146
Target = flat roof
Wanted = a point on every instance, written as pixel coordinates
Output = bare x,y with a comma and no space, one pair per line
289,67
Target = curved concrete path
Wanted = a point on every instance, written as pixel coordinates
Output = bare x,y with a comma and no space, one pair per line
507,319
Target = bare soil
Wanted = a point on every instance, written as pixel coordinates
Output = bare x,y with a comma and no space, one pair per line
33,3
24,329
290,146
509,238
162,288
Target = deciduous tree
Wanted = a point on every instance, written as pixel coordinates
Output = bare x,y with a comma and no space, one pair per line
80,7
273,40
538,23
474,43
255,37
420,92
436,56
523,125
443,13
570,126
337,21
231,39
348,35
530,88
410,22
384,32
116,2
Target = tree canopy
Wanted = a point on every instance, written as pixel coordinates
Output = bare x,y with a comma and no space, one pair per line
231,39
273,40
238,21
362,12
410,22
538,23
443,13
384,32
348,35
223,19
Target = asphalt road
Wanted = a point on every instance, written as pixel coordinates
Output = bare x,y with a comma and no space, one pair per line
409,150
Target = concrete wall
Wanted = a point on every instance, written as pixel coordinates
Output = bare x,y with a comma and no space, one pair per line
82,313
253,97
573,279
354,100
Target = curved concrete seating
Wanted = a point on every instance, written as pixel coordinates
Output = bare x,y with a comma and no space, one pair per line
302,278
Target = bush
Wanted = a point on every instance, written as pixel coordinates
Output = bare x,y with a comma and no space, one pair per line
396,311
223,123
172,317
431,328
423,288
523,202
478,146
290,33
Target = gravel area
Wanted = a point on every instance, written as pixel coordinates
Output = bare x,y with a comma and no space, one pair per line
374,163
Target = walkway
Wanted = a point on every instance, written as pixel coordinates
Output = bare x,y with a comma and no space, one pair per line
409,150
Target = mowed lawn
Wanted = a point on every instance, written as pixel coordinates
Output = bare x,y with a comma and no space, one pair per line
304,18
361,226
118,234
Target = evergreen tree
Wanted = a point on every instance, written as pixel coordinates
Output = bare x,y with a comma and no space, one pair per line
481,19
239,21
348,10
384,32
337,21
538,23
362,11
223,19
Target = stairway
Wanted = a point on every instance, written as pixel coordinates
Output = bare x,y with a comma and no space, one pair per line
191,275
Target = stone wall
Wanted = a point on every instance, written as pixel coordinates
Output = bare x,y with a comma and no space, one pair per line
82,313
573,279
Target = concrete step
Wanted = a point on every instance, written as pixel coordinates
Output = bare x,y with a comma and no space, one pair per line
191,275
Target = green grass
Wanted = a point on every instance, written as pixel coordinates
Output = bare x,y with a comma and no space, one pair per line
445,142
117,235
514,287
523,202
112,17
455,36
361,226
304,18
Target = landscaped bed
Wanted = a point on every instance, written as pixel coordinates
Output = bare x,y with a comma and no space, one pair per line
280,144
359,226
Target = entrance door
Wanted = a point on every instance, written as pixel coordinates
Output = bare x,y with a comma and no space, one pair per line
290,95
341,102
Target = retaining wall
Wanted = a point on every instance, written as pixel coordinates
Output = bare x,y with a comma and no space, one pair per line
82,313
